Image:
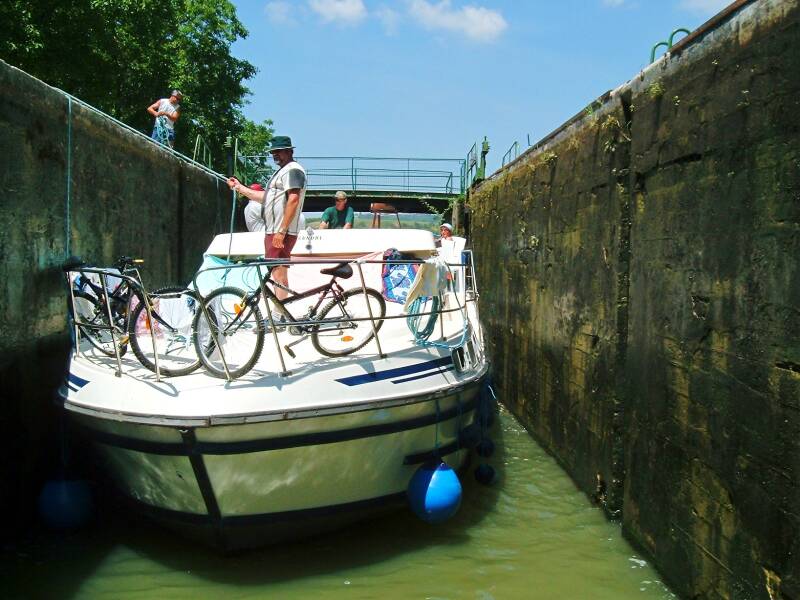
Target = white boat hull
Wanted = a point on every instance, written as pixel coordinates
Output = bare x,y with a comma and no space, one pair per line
305,440
248,484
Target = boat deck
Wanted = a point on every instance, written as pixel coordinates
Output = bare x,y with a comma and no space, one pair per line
320,385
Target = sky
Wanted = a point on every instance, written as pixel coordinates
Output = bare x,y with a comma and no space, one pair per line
428,78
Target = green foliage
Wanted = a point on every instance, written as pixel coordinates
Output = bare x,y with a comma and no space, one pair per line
122,55
254,138
655,90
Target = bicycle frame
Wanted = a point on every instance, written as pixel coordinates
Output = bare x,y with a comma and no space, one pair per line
133,284
322,290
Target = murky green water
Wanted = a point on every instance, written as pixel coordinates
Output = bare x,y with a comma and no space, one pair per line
532,535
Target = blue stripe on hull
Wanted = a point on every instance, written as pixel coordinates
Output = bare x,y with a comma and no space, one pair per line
399,372
78,381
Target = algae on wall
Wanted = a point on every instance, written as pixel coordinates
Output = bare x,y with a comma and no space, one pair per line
75,183
643,308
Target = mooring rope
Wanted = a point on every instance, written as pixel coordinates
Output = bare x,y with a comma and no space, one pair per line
68,201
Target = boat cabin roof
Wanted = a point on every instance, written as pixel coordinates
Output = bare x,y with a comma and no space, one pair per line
329,242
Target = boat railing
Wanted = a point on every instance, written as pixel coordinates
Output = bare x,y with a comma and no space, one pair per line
462,272
462,284
78,321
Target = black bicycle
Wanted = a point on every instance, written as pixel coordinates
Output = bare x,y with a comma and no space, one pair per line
172,309
233,320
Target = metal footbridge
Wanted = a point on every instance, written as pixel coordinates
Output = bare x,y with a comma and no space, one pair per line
412,185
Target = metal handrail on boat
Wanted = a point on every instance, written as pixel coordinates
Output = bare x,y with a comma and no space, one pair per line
136,286
468,289
467,266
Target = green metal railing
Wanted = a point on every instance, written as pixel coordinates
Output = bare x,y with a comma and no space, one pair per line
668,44
511,154
474,167
202,153
360,173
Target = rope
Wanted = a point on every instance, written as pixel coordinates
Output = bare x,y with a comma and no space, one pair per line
436,431
414,318
421,337
138,133
233,216
68,203
162,133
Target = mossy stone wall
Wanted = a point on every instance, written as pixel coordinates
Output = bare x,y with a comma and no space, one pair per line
640,279
126,196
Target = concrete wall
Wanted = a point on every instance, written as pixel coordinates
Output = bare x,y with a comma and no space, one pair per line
641,289
126,196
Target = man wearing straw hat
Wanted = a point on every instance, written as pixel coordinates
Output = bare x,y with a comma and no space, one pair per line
282,204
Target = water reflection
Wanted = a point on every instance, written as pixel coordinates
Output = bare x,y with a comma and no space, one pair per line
531,535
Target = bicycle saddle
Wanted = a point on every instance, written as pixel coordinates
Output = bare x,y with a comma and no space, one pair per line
343,270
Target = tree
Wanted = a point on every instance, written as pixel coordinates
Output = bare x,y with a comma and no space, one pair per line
122,55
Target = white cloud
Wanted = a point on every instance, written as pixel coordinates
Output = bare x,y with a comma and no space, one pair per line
342,11
278,11
476,22
614,3
704,7
389,18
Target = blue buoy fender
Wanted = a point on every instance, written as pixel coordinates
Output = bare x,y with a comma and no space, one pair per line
65,504
434,492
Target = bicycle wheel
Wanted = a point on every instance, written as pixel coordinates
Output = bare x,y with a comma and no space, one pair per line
91,311
237,327
338,335
173,309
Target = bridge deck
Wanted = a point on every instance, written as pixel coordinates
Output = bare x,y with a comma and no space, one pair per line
410,184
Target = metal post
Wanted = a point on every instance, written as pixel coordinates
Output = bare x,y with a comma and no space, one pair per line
111,324
369,308
214,335
284,371
150,321
75,317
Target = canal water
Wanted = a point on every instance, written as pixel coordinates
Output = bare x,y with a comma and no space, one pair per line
532,535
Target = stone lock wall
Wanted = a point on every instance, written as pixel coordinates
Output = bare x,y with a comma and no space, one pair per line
640,275
127,196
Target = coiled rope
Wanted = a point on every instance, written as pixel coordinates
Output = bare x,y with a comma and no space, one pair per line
422,335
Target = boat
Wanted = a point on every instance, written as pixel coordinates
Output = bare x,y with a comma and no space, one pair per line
303,442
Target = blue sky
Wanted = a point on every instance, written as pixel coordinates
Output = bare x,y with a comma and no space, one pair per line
427,78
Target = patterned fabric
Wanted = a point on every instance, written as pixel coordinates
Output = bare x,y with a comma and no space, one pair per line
397,279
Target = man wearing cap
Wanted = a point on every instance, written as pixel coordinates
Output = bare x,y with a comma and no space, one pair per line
282,204
169,108
338,216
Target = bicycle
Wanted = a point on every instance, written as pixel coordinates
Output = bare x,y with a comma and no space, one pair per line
231,318
172,309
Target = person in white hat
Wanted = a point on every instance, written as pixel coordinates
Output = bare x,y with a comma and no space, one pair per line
446,230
